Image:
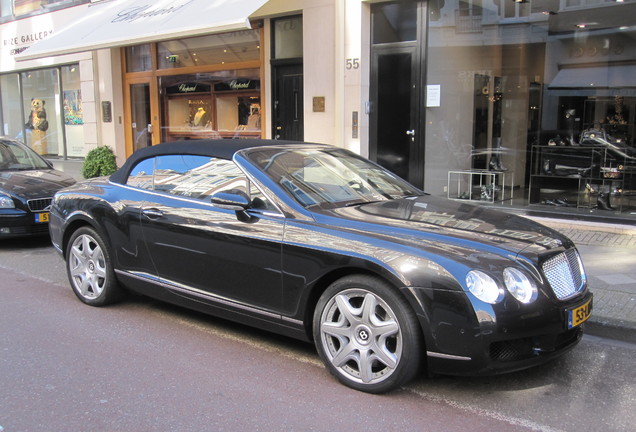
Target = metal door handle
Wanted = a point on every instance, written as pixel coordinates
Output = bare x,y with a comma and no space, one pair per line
152,213
411,132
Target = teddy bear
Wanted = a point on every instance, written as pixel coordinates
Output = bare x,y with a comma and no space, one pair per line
38,124
37,118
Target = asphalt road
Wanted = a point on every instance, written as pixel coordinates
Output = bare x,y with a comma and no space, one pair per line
145,366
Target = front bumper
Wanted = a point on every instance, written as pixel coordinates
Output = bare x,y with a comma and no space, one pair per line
18,223
462,339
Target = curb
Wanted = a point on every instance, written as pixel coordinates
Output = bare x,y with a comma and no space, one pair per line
611,329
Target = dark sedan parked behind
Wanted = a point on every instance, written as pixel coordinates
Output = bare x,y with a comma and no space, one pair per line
317,243
27,185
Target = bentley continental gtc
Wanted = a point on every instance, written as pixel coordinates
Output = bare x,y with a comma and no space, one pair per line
315,242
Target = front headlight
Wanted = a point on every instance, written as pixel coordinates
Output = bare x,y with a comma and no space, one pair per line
519,285
6,201
484,287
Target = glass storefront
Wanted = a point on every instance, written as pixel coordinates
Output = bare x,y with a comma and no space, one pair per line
224,104
43,108
524,103
206,87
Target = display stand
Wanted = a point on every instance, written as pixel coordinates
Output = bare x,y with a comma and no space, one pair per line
480,185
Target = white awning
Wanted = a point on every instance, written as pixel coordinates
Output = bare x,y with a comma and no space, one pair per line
116,23
611,76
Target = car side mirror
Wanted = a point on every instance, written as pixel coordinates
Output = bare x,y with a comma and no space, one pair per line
233,199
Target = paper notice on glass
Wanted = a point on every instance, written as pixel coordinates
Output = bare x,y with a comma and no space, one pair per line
433,95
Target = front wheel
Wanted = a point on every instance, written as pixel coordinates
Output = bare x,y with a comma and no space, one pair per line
90,269
367,334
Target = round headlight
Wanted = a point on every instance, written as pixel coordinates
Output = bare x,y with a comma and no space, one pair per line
484,287
6,201
519,285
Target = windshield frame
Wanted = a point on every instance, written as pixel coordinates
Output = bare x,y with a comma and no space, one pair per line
327,176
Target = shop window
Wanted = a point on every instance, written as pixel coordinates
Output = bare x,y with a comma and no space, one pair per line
73,111
41,99
288,38
138,58
6,8
556,116
11,115
215,49
224,104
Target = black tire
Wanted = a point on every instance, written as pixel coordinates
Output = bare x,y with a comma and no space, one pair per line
90,269
367,334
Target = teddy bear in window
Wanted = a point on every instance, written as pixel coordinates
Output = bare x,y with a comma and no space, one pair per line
38,125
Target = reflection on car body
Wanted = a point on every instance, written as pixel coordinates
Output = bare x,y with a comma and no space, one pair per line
317,243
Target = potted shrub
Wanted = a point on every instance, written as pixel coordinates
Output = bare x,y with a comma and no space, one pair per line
99,162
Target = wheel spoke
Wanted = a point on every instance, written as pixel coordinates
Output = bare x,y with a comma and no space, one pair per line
346,353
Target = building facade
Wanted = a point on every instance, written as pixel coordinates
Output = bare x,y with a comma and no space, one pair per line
515,103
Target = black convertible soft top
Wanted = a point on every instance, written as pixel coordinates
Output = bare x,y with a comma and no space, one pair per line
218,148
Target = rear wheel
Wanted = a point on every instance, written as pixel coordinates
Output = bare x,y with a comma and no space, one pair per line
367,334
90,268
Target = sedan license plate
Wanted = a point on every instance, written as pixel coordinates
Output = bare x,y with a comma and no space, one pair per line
579,315
42,217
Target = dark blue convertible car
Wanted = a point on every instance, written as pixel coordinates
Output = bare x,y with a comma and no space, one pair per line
315,242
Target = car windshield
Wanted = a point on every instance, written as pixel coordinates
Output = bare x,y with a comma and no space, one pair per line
14,156
329,177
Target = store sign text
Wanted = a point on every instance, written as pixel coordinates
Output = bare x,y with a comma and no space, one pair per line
19,43
145,11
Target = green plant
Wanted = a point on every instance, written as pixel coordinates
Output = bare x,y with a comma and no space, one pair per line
99,162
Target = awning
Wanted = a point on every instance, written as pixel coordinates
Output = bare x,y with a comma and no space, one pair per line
116,23
611,76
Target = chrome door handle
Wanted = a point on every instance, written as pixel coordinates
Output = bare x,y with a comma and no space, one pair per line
152,213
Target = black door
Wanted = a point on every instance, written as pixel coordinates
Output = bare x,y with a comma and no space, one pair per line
397,91
288,102
395,135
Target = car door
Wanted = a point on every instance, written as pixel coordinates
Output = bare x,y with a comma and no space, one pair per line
203,251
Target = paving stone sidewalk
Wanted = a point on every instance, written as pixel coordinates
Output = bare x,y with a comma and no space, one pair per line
609,256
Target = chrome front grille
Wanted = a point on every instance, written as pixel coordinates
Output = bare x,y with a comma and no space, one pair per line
38,205
565,274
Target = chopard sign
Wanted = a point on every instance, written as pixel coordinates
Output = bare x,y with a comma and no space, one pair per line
145,11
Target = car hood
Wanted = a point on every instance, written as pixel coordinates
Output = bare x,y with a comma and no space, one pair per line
34,184
438,220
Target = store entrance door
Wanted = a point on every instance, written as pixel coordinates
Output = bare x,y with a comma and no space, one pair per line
396,132
396,136
142,115
288,102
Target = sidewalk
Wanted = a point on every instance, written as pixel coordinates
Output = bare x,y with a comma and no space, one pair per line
609,256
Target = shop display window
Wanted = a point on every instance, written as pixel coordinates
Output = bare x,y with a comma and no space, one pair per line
215,49
41,101
43,108
216,105
73,111
549,98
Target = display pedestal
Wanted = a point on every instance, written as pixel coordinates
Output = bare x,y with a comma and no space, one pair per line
480,185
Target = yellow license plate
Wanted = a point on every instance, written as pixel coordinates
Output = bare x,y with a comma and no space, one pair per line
579,315
42,217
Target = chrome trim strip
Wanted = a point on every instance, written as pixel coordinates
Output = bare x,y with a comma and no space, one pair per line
205,295
447,356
